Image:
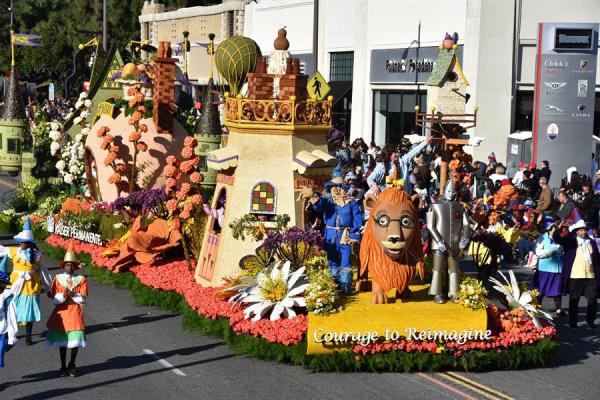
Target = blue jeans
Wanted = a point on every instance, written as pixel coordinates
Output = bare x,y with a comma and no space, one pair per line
3,344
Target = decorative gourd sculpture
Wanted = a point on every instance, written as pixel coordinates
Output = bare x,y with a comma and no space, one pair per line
281,42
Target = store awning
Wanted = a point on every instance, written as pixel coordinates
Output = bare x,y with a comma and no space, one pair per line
339,89
316,162
222,159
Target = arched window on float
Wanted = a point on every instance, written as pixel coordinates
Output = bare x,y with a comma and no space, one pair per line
263,201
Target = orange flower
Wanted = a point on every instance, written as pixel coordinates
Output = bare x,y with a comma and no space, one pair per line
171,206
135,136
190,141
132,102
185,214
197,199
114,149
143,127
170,171
139,97
195,161
170,183
114,178
186,167
102,131
107,139
142,109
196,177
176,224
135,117
104,145
133,90
187,152
109,159
171,160
141,146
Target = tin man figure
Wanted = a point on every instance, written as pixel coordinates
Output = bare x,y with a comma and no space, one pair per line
449,227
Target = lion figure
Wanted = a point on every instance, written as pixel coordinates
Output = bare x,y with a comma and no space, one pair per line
391,249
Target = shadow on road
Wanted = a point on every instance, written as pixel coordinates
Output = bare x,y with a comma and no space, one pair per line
127,321
115,363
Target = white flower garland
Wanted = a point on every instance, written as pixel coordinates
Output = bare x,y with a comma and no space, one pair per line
71,151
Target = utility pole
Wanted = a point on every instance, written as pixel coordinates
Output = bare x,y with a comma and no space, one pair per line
316,34
104,27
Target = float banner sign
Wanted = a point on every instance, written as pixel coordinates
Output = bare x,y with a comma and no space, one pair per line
58,228
565,82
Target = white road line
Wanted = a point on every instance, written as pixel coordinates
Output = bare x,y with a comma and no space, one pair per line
164,363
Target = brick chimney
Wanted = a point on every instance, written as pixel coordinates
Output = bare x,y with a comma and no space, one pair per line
163,88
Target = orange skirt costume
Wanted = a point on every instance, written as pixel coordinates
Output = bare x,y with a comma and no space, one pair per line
65,325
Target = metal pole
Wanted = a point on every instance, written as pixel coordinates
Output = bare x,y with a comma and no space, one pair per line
104,27
12,42
316,34
418,96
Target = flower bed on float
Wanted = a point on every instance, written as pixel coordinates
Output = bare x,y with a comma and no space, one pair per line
515,342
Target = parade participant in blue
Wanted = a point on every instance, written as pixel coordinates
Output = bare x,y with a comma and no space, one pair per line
8,314
28,278
343,220
547,276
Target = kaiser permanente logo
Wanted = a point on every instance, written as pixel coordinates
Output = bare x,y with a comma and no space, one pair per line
554,88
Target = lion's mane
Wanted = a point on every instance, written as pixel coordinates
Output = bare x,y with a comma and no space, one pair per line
384,271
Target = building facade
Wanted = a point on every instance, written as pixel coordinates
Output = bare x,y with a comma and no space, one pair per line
224,20
377,56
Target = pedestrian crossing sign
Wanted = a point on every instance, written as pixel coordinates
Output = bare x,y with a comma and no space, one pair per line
317,86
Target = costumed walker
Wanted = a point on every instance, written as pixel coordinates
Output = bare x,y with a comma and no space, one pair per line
343,220
450,232
28,279
8,314
66,329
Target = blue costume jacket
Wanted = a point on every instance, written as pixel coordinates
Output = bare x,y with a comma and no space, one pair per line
337,218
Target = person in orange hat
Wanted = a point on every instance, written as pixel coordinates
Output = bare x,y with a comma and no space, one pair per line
66,329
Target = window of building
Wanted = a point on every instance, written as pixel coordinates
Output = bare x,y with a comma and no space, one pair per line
262,198
524,111
341,66
231,23
13,146
394,114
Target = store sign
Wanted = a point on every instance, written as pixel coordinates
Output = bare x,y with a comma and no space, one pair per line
404,64
563,99
573,39
72,232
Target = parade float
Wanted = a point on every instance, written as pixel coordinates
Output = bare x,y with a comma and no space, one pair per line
245,264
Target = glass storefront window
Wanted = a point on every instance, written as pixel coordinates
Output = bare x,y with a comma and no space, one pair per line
394,114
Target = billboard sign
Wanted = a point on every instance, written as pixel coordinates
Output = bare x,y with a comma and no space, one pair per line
564,100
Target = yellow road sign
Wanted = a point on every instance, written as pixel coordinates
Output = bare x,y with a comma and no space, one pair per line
317,86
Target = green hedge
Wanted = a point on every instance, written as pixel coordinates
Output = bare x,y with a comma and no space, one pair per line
513,358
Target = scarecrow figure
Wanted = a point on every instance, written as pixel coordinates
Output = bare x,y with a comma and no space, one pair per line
342,219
